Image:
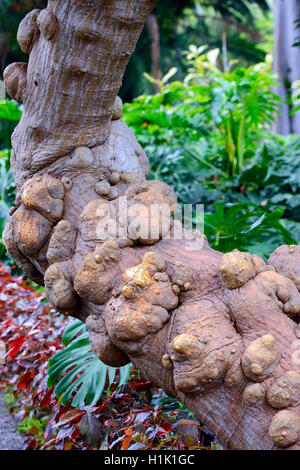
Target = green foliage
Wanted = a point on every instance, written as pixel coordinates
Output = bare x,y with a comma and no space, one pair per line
269,185
10,111
7,188
240,10
240,104
200,22
10,114
77,372
7,198
34,426
273,178
207,126
208,138
169,132
246,227
10,399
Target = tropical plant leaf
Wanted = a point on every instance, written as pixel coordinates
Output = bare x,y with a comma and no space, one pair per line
78,374
75,328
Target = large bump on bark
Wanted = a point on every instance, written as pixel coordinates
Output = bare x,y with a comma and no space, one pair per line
45,195
97,221
27,267
151,206
15,80
47,23
98,273
286,261
62,242
182,277
282,290
117,109
31,230
237,269
150,279
254,395
195,367
143,307
28,31
129,324
121,152
261,358
59,290
285,391
80,158
101,344
285,428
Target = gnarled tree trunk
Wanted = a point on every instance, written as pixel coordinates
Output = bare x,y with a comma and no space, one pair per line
220,333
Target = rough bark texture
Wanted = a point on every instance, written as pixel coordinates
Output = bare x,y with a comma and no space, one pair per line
219,332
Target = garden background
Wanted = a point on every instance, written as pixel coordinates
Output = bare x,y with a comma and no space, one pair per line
216,109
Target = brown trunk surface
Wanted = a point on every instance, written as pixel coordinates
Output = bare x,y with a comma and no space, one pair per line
219,332
153,30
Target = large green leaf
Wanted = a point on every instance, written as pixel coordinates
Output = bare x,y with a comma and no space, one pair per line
72,331
78,374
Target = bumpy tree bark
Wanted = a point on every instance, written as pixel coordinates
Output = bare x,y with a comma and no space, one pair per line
219,332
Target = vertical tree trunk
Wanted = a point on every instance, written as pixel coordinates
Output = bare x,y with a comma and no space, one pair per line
220,333
4,50
287,61
153,29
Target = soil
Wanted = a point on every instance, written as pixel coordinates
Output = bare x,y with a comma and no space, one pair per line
10,439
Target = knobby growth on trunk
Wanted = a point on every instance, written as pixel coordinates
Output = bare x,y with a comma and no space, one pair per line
219,332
